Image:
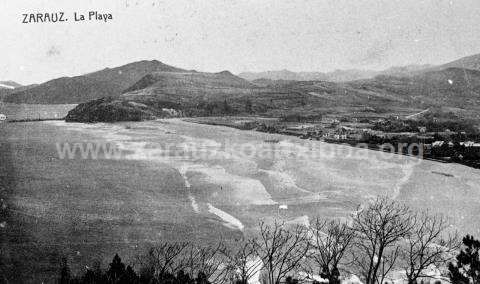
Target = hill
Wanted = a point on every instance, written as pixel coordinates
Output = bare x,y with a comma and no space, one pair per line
170,93
193,90
163,94
451,87
205,94
198,82
103,83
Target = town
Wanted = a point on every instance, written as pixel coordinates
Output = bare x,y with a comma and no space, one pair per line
434,135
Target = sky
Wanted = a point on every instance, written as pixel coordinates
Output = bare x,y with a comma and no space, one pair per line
242,35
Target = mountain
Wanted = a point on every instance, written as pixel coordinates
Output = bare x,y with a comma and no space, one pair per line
405,71
262,82
138,75
193,82
9,85
334,76
192,90
148,89
349,75
272,75
286,75
161,94
164,94
470,62
103,83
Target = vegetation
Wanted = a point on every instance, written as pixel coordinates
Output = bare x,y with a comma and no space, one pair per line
382,237
378,229
281,250
467,267
329,244
296,117
248,106
117,273
241,261
432,125
426,247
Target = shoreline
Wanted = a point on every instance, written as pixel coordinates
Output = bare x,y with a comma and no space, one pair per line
373,147
34,120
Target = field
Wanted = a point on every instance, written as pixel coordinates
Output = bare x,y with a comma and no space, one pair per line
178,180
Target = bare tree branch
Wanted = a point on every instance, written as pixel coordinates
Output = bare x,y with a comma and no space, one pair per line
281,250
329,241
378,228
427,246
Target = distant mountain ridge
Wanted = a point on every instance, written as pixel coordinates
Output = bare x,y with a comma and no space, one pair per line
471,62
335,76
405,71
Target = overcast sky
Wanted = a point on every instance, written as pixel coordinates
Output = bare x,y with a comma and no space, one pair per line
256,35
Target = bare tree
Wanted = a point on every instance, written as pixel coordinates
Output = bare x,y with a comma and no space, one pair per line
378,229
207,261
243,263
387,262
163,259
280,249
329,243
428,245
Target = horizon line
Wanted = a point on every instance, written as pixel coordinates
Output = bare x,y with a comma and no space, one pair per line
245,71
